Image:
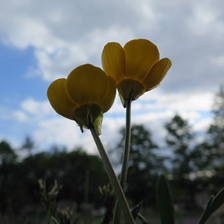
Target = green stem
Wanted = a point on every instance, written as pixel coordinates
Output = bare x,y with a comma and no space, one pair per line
124,171
113,178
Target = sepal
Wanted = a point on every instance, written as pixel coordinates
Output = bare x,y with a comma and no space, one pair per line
130,89
87,115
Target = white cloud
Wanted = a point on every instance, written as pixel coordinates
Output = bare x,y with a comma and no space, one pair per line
34,107
206,18
179,101
69,33
62,37
20,116
203,124
48,128
219,61
71,54
58,130
66,35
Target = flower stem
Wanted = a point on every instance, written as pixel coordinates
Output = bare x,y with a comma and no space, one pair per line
124,172
113,178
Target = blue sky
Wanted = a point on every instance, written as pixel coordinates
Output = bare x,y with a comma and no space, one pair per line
15,65
16,86
40,42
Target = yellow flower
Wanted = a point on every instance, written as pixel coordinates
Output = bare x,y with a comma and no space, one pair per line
84,96
136,67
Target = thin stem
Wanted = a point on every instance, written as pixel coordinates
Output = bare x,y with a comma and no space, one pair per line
124,171
113,178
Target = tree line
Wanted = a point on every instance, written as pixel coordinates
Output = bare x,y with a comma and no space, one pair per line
195,169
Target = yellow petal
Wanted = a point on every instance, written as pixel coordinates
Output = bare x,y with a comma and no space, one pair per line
113,60
157,73
140,56
60,99
87,84
109,96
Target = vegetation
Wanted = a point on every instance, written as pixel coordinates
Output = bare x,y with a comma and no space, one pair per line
78,174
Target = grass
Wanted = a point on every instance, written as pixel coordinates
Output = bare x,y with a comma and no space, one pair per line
37,215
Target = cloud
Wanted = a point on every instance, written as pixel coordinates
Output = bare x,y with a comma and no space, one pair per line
60,131
160,100
72,54
65,35
34,107
20,116
206,17
62,37
152,110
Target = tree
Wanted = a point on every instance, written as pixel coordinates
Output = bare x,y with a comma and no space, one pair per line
71,170
7,154
180,140
215,137
144,164
28,145
179,137
7,170
79,174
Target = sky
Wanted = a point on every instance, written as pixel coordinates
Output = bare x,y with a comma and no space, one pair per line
42,41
